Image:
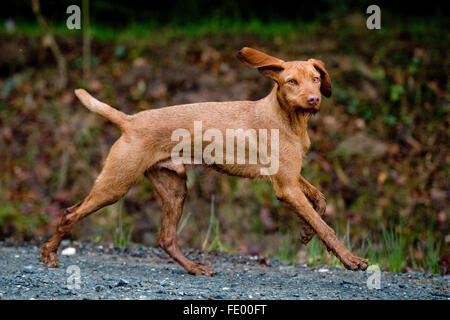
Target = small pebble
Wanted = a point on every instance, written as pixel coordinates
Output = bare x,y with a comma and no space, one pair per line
28,269
70,251
99,288
122,283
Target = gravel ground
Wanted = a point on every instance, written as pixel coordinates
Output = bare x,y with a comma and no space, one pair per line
148,273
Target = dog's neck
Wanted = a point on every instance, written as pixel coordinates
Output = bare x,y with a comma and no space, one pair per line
298,121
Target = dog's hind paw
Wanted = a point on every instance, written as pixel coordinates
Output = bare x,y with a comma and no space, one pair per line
50,259
201,270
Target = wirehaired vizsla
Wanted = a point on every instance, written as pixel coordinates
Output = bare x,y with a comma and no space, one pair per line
146,148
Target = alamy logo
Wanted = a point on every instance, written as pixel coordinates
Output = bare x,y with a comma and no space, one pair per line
374,20
374,280
74,20
213,153
74,278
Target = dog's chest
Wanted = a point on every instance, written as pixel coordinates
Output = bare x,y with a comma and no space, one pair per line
305,143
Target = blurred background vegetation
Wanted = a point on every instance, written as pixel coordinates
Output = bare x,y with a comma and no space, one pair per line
380,145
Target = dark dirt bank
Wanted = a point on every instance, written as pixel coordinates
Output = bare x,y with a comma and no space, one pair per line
148,273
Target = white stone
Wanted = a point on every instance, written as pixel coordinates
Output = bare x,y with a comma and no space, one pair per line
70,251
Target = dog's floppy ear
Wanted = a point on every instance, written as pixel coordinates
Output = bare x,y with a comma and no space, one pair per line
267,65
325,82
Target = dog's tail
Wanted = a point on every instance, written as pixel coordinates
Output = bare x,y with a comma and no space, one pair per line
113,115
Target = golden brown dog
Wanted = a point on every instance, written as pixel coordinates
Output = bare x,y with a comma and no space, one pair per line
146,147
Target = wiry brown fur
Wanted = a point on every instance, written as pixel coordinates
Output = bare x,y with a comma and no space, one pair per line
145,148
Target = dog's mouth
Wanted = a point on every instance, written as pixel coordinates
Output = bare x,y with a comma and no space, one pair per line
307,111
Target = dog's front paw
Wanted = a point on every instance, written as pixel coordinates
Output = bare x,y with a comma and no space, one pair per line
201,270
353,262
306,234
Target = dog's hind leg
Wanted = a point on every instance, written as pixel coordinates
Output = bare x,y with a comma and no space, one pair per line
121,170
169,181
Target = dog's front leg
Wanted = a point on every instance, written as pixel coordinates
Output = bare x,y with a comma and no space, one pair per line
291,193
318,201
314,195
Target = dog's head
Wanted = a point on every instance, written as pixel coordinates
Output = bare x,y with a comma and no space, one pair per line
300,83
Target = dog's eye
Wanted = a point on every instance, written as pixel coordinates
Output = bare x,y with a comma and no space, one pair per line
316,79
292,81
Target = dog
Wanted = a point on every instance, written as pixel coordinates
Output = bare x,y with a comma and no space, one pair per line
146,148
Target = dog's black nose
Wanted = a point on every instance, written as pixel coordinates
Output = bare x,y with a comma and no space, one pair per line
313,100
